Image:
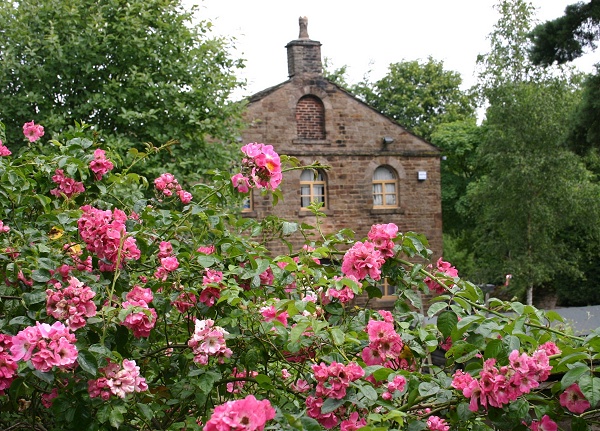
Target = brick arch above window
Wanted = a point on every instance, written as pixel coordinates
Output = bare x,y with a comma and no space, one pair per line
310,118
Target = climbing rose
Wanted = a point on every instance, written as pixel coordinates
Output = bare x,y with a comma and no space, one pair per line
262,165
66,186
100,165
574,400
4,151
118,380
363,260
248,414
33,131
546,424
435,423
8,365
71,303
447,270
47,346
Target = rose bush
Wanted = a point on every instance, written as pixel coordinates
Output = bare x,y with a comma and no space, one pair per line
168,312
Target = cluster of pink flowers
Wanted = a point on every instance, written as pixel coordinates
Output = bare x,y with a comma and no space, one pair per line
447,270
363,260
435,423
574,400
185,301
140,318
332,382
46,345
385,344
4,151
382,236
66,186
270,313
209,340
206,249
118,380
248,414
33,131
72,303
345,294
353,423
168,262
397,384
497,386
3,227
261,165
168,185
235,387
211,292
105,235
366,259
100,165
8,366
545,424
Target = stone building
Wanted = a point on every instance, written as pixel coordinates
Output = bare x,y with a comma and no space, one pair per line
379,172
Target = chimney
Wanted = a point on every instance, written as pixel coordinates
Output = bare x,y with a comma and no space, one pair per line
304,55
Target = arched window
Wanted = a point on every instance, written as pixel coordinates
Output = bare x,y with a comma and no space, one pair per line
313,188
385,188
310,118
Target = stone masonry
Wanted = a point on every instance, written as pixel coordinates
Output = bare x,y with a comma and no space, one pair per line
313,119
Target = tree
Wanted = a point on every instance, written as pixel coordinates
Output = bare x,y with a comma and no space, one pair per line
140,71
565,38
532,189
419,96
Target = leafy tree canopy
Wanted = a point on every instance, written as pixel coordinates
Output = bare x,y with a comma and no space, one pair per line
139,70
565,38
419,95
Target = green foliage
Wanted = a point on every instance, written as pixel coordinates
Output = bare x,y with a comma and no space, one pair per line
282,325
565,38
140,71
459,142
419,96
532,193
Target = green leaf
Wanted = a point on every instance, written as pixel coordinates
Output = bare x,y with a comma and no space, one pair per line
115,418
573,375
494,349
207,381
264,381
87,362
34,297
309,424
331,404
289,228
435,308
428,388
368,392
462,351
145,410
446,322
382,374
590,386
338,336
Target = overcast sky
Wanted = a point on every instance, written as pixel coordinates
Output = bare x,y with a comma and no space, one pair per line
364,35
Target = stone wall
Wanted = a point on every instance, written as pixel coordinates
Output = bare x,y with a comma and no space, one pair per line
353,148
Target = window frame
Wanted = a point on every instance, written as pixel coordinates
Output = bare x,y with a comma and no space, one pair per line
384,193
311,184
